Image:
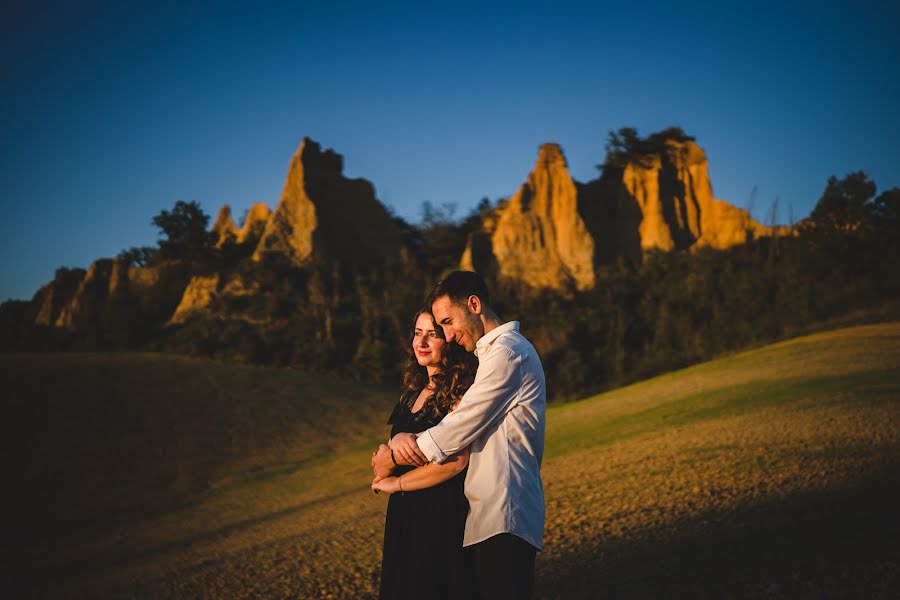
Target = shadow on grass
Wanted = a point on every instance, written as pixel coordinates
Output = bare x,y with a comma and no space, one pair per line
843,543
22,579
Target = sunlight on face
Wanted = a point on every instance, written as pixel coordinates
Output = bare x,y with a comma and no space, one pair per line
427,343
459,323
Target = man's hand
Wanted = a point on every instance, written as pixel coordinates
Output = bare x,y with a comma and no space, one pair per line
406,450
382,465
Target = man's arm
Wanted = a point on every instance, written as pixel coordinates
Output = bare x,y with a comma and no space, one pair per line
495,389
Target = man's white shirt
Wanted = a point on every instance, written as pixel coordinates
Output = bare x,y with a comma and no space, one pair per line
501,418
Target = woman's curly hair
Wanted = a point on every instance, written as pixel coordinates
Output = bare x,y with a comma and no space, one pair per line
455,374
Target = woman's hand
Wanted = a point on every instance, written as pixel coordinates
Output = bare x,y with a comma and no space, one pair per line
382,465
388,485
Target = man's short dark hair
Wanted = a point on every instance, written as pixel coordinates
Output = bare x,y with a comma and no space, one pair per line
459,285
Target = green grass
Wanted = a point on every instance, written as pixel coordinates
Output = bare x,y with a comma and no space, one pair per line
787,374
871,388
166,477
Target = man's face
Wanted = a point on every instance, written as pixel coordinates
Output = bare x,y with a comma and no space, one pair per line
460,323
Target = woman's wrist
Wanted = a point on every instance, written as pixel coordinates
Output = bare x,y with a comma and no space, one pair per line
391,484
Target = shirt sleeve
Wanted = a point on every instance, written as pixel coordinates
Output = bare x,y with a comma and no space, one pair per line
495,389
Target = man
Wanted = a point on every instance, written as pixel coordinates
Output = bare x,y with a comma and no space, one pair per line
501,418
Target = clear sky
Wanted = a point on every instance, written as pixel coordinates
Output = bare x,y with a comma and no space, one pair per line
112,111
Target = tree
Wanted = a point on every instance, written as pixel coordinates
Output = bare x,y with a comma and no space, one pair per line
886,241
625,146
886,210
184,229
442,238
621,145
138,256
844,207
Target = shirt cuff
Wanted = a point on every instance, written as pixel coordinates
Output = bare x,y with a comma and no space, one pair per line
428,447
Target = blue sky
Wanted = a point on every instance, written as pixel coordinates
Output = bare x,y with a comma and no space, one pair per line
110,112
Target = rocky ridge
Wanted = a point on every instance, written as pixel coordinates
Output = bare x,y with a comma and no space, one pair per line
224,231
254,224
323,213
555,232
538,236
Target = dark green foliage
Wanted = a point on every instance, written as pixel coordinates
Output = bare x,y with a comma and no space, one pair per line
184,230
851,245
440,239
844,207
886,210
625,146
12,324
138,256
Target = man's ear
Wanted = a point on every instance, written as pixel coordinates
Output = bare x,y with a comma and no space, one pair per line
474,304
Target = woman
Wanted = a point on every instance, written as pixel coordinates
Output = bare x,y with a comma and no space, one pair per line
423,531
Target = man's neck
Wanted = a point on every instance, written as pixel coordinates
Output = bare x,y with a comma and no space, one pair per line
490,321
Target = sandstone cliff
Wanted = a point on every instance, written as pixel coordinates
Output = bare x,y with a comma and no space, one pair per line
110,287
254,224
50,300
674,195
197,298
323,213
555,232
538,235
85,309
206,296
224,231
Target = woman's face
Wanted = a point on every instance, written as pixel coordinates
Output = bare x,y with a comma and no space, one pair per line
427,344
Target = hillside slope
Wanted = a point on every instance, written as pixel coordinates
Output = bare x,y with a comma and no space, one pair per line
88,436
768,473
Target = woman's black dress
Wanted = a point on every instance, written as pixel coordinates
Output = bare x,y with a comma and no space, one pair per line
423,532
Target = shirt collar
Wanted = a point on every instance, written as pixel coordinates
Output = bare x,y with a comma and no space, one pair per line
482,345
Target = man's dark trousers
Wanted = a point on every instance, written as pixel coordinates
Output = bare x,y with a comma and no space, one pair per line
504,567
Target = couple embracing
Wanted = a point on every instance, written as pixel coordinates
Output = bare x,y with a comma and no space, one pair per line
466,513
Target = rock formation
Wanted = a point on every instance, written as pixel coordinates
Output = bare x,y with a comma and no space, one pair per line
254,224
674,195
224,231
50,300
206,296
80,301
552,233
538,235
85,309
197,298
555,232
325,214
321,214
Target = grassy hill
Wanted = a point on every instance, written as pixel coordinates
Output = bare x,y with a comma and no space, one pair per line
770,473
